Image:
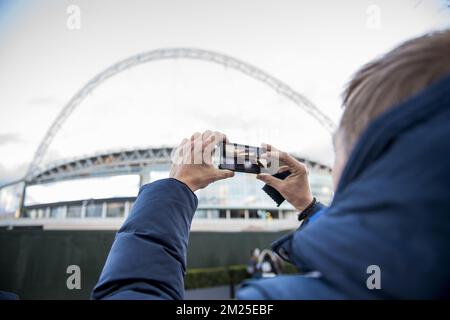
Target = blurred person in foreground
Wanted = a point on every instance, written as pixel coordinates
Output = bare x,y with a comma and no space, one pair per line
391,207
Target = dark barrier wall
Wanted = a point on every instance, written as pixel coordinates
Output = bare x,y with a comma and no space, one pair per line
33,262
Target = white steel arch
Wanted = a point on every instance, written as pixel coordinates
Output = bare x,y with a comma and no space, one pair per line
173,53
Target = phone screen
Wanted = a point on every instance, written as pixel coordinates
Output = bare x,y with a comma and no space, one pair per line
240,158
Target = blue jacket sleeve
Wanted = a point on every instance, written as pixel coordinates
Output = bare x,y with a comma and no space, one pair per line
148,257
283,246
304,286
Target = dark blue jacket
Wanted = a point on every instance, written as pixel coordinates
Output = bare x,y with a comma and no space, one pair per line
391,209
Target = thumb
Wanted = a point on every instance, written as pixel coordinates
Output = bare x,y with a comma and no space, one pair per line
223,174
270,180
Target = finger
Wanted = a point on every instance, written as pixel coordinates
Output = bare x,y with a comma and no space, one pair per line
195,136
208,149
220,137
282,169
196,146
224,174
269,147
187,153
293,163
286,159
185,140
182,145
207,138
206,135
270,180
215,139
177,153
270,154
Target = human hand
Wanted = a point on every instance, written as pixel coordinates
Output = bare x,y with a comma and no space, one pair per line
192,163
295,187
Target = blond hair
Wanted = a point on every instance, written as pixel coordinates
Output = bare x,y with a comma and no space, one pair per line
389,80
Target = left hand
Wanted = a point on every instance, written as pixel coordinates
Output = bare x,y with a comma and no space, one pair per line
192,163
295,188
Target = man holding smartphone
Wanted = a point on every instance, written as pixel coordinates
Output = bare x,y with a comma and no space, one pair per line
390,210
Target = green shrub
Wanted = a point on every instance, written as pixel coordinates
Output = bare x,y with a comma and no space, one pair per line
212,277
203,278
289,268
238,273
221,276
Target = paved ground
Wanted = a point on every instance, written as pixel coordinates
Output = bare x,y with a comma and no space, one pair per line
214,293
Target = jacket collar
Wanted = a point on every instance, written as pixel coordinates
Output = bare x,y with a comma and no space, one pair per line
383,131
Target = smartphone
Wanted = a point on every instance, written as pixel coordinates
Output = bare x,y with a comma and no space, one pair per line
241,158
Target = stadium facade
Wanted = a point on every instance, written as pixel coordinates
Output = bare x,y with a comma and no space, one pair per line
236,204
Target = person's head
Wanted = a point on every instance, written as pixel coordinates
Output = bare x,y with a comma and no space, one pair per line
384,83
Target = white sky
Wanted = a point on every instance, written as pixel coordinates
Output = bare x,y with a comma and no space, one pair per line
314,46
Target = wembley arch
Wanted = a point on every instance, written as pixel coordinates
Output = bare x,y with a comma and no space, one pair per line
164,54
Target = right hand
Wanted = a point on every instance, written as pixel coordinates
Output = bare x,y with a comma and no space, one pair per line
295,188
192,163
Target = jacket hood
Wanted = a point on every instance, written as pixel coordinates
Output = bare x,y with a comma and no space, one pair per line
391,208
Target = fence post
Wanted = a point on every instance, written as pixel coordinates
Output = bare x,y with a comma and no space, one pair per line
232,284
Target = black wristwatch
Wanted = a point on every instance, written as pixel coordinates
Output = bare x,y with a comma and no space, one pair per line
312,208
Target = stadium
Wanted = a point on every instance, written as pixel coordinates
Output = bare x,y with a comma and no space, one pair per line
239,198
233,205
67,212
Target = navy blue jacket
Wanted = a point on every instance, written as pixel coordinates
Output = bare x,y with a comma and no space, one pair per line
391,209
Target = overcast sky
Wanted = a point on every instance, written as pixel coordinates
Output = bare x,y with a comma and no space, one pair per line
314,46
